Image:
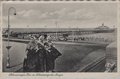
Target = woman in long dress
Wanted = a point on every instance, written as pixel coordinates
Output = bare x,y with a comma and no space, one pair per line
51,54
41,52
30,62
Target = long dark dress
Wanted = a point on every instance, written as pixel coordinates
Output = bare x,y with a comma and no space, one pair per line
31,61
51,57
41,65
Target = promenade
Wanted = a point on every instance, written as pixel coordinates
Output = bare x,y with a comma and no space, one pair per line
61,42
79,58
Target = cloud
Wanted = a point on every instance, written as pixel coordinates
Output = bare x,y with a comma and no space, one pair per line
81,15
56,14
37,14
65,14
22,12
29,14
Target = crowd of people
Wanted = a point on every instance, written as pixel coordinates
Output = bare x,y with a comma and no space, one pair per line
40,55
93,39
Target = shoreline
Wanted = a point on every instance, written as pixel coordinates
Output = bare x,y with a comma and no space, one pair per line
59,42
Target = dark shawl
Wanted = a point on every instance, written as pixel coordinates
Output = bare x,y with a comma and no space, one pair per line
50,58
29,64
41,65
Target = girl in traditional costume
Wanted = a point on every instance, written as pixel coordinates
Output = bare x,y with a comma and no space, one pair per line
51,54
31,59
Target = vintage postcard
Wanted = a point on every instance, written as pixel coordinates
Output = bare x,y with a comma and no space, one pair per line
60,39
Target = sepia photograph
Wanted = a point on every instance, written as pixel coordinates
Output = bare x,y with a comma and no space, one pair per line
59,37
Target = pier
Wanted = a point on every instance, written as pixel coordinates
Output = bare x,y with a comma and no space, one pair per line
88,53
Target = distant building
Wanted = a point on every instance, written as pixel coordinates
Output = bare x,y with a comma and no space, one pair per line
103,27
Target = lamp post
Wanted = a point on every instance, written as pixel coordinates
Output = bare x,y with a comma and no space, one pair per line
8,46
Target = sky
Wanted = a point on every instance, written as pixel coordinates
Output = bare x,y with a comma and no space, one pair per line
60,15
0,13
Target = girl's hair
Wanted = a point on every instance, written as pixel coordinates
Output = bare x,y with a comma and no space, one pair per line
45,36
46,44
